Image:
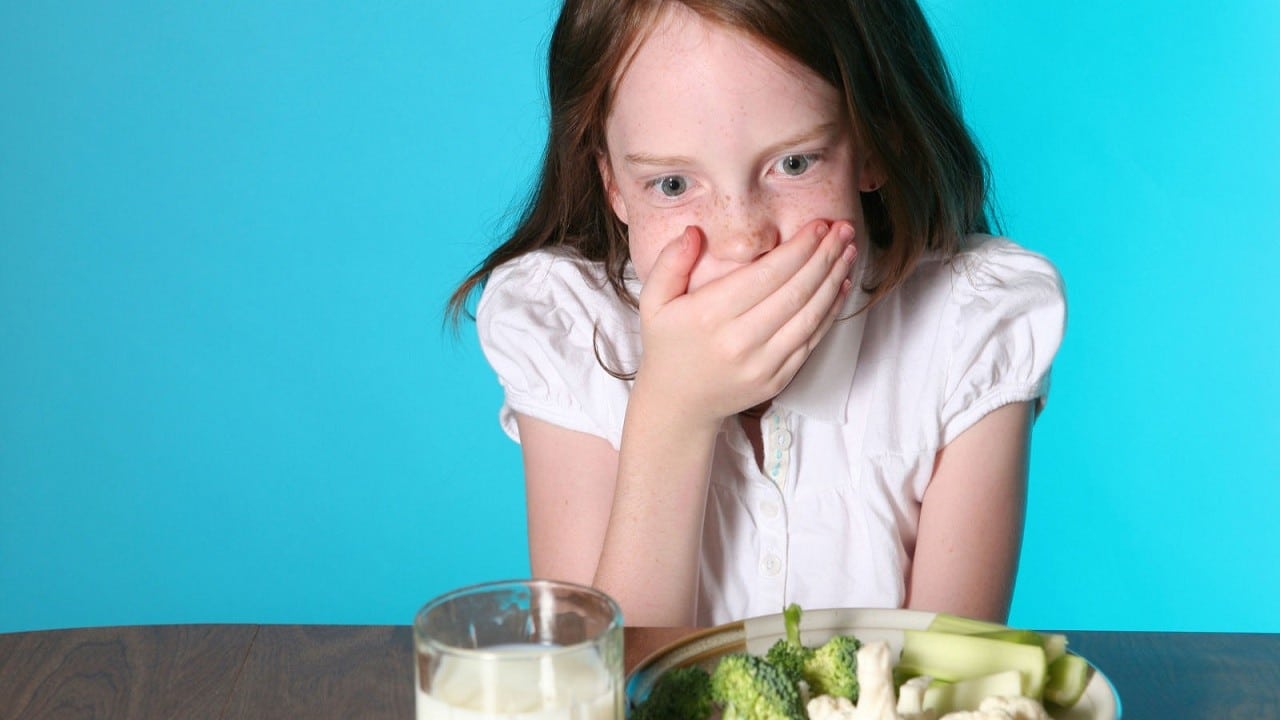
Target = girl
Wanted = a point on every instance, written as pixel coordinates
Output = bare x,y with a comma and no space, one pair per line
754,342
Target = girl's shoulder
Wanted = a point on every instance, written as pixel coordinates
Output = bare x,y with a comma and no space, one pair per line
560,339
555,279
552,267
985,262
553,297
993,310
988,270
984,325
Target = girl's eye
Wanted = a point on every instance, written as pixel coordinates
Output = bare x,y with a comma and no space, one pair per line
672,185
796,164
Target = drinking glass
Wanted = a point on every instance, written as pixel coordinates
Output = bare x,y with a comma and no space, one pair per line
519,650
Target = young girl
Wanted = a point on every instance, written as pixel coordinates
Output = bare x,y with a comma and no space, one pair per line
755,344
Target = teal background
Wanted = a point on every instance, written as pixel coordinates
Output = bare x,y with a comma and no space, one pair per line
227,231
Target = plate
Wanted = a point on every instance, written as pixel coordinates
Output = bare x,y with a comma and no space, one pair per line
757,635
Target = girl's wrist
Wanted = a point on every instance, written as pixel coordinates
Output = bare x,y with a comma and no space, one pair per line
677,412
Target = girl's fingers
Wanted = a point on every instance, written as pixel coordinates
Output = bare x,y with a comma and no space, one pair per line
669,278
789,315
748,286
800,353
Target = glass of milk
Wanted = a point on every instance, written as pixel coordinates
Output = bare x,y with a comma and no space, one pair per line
519,650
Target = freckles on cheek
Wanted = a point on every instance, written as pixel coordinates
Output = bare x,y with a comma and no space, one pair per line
647,235
830,200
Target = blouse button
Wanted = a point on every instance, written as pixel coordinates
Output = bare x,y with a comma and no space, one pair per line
772,565
782,439
770,509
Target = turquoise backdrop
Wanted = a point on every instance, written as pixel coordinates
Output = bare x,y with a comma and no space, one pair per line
227,231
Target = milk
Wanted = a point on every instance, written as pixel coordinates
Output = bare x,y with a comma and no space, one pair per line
527,683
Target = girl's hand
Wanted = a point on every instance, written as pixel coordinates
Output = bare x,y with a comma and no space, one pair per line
737,341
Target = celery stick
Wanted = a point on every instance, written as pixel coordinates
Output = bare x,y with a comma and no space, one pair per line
1054,644
1022,637
968,694
1068,676
958,657
960,625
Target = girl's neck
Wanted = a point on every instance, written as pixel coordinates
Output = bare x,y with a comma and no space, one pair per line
750,419
758,411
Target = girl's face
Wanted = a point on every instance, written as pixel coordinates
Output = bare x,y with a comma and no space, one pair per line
711,128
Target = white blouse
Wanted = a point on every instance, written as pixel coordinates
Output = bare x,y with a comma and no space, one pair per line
849,445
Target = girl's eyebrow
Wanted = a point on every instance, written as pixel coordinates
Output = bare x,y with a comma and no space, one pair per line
810,135
817,133
657,160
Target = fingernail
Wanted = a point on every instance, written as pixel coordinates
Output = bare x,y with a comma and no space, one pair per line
845,286
849,251
845,232
822,230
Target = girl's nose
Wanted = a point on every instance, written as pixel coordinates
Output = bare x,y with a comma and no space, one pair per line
743,232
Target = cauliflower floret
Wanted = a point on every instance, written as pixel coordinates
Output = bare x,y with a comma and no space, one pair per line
1016,707
877,696
1003,707
827,707
911,696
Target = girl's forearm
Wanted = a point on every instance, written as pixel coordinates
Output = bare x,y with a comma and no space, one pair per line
649,562
970,534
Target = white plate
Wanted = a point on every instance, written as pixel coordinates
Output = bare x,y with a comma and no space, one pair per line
757,635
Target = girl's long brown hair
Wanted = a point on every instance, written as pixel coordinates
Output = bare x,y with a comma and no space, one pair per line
880,54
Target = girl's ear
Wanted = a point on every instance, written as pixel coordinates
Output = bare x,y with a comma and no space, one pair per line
611,188
872,175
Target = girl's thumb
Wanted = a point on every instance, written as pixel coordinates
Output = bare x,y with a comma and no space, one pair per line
669,278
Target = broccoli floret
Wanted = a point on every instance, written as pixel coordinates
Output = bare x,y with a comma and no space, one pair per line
788,658
749,688
682,693
788,654
832,669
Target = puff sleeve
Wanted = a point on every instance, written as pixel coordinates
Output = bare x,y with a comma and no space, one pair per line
546,323
1009,318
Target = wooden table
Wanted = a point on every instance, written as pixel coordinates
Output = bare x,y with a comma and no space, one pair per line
316,672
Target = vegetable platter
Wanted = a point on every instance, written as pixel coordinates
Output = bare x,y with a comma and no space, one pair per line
896,628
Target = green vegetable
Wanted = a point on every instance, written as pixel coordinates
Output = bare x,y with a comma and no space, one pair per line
788,654
950,657
788,658
960,625
791,623
747,687
832,669
1069,675
682,693
1023,637
1054,644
